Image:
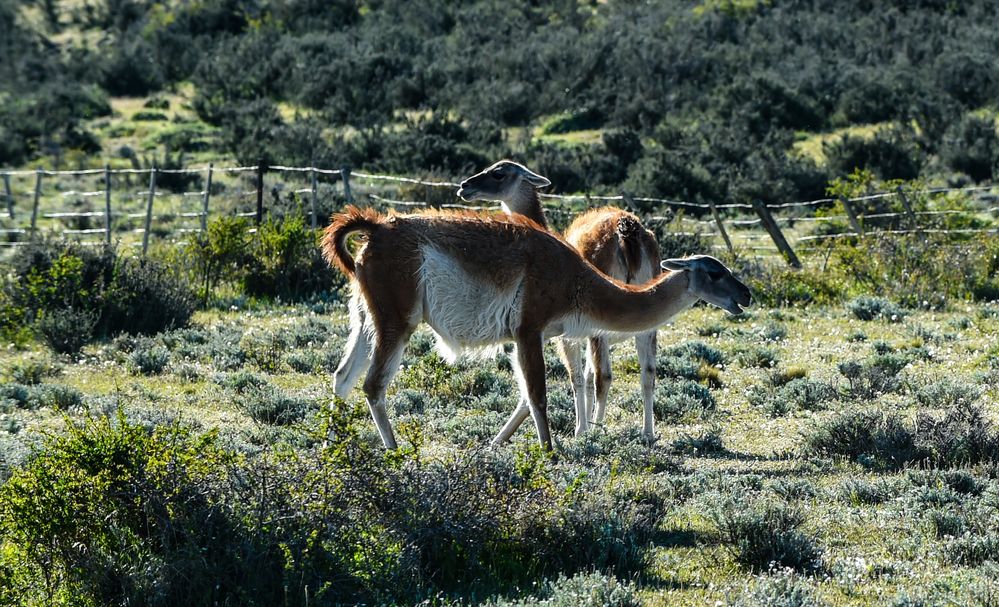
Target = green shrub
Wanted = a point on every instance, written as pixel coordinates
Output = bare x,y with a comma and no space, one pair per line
66,330
56,396
918,271
73,293
148,357
870,437
688,360
780,286
285,261
783,589
947,393
870,308
146,116
706,443
797,394
682,399
144,298
755,356
32,371
963,435
268,405
583,590
973,549
109,513
858,491
874,376
308,361
764,534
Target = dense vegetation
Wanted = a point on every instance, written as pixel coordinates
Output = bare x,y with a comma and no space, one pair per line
678,99
166,434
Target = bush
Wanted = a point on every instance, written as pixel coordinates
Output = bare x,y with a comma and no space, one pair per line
110,513
691,360
682,399
286,262
784,589
582,589
875,376
947,393
32,371
891,153
796,394
972,147
765,534
66,330
870,308
268,405
870,437
755,356
961,436
148,358
74,293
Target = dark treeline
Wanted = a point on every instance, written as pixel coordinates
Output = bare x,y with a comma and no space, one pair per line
694,101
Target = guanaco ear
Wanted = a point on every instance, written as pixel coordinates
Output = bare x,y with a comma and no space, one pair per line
533,178
675,264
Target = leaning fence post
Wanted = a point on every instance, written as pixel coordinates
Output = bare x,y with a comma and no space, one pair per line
149,210
908,208
107,203
261,167
721,227
315,189
629,200
771,227
204,199
345,176
852,216
8,195
34,205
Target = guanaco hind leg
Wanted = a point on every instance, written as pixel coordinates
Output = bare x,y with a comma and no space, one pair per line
529,369
572,355
600,357
645,344
357,353
389,345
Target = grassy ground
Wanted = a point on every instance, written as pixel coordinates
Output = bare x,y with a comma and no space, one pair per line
882,533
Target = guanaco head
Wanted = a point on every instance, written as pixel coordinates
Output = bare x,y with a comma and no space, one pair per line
711,281
506,181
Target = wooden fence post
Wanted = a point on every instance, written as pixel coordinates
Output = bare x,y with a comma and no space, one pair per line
914,224
721,228
345,176
315,193
204,199
261,167
107,203
8,195
629,200
771,227
852,216
34,205
149,210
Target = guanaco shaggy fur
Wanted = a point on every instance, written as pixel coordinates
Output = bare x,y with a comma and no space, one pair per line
482,280
617,244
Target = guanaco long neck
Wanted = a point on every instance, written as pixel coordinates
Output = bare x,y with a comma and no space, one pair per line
527,203
613,306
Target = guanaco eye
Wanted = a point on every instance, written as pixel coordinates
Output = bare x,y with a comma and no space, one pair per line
496,174
716,274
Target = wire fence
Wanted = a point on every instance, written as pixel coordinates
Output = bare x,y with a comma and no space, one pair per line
135,205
